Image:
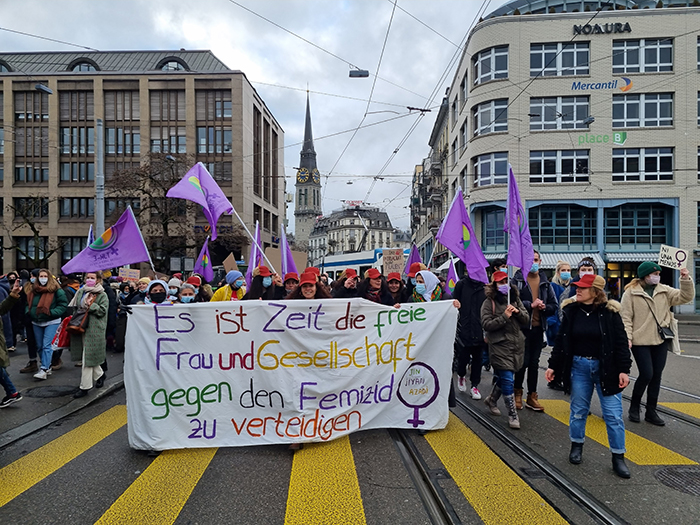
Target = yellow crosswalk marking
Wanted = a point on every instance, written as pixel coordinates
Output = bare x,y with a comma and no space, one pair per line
692,409
323,487
35,466
159,493
639,450
486,481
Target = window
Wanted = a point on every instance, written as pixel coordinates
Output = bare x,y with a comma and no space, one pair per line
76,208
124,105
698,163
77,171
168,139
490,169
78,141
698,108
173,64
31,173
123,140
464,135
490,64
463,91
637,227
4,68
2,139
221,171
644,110
31,106
559,59
77,106
167,105
115,207
650,55
455,148
71,246
213,105
214,139
490,117
563,227
83,66
455,112
550,113
642,164
257,153
492,220
31,208
31,251
559,166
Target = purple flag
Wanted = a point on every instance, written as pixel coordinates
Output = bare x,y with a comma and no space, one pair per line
287,259
91,237
520,251
203,264
413,257
120,245
452,278
255,256
457,234
199,186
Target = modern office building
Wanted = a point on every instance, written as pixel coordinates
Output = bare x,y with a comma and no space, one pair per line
186,105
597,107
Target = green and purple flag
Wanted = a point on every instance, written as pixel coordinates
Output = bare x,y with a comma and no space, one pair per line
120,245
452,278
199,186
413,257
456,234
520,250
203,264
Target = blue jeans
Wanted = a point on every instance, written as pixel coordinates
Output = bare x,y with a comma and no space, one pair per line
6,383
44,336
585,374
504,380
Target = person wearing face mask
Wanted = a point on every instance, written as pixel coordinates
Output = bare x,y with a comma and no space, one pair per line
120,330
157,293
345,287
411,275
187,294
539,300
234,290
46,304
174,289
90,347
561,284
291,283
138,296
202,292
263,286
646,306
15,313
33,349
503,323
586,266
374,288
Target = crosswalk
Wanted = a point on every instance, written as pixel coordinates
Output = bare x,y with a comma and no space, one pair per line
323,479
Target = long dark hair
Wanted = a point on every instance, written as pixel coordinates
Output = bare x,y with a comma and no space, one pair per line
399,293
258,291
321,293
363,287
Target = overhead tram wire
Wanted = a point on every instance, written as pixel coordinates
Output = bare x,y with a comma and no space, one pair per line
427,26
306,90
47,38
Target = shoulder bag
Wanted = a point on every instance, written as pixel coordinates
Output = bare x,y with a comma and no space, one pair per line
665,332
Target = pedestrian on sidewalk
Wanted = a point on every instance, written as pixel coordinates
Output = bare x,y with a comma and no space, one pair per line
90,347
646,307
28,281
591,352
469,340
46,304
11,393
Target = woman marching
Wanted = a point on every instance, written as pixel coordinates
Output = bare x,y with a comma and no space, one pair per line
646,307
591,352
502,321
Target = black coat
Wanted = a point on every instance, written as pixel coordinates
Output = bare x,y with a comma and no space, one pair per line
546,294
471,296
112,312
615,354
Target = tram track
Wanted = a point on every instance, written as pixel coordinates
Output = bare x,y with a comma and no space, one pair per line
668,411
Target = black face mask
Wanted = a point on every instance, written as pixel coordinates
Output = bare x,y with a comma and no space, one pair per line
157,297
143,293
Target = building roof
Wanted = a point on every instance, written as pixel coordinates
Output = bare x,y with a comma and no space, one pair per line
568,6
117,61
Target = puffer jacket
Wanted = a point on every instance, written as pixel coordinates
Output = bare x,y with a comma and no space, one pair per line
636,313
615,355
505,337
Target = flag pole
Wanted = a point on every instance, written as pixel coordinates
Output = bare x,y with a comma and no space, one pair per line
432,253
253,239
150,261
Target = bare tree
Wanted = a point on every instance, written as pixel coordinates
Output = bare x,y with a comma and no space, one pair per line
31,213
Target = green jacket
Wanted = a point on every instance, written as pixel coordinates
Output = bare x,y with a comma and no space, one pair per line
5,307
57,308
90,347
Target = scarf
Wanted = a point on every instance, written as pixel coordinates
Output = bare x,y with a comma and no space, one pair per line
433,291
86,290
373,295
239,293
436,295
44,306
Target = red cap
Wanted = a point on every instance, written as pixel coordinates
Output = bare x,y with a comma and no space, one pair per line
394,276
499,276
313,270
350,273
590,280
291,275
307,278
264,271
194,281
414,269
373,273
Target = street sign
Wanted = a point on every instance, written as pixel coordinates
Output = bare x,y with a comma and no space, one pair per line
671,257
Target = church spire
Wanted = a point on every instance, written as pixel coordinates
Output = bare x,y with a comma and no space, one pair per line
308,154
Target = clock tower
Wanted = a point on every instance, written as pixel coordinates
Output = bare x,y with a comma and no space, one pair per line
308,186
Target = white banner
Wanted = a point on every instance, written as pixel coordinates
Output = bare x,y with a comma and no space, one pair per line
255,372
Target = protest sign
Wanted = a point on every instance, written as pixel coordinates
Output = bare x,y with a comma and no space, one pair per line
258,372
392,260
671,257
129,275
230,263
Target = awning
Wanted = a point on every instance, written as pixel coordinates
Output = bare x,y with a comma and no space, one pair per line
631,256
549,260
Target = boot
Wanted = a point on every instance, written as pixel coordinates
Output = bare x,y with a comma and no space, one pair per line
519,398
633,414
575,454
651,416
30,368
533,403
619,466
513,420
491,400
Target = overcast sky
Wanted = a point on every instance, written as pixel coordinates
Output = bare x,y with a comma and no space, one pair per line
280,66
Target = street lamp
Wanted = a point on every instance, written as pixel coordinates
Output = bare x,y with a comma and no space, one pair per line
44,89
359,73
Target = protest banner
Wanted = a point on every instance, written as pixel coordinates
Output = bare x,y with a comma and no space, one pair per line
257,372
129,275
671,257
392,260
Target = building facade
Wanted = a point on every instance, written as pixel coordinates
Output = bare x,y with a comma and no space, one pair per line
187,105
598,112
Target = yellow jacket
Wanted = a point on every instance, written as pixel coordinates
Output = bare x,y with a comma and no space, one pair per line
225,293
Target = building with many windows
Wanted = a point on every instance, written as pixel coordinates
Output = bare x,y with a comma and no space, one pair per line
187,105
597,107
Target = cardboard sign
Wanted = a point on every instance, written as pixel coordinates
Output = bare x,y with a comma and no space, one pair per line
129,275
275,256
230,263
671,257
392,259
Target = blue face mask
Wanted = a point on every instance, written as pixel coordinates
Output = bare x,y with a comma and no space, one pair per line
420,288
239,283
565,275
535,268
267,281
196,291
187,298
413,281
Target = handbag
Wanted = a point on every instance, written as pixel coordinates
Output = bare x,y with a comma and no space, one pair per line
78,322
665,332
62,338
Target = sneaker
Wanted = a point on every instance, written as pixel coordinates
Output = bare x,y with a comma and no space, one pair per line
476,395
78,364
8,400
30,368
58,365
11,349
462,384
41,374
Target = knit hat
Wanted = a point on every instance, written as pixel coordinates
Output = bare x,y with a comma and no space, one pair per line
144,280
154,282
174,283
646,268
232,276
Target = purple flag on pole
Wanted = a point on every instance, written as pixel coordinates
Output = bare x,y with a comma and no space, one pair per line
288,264
91,237
457,234
199,186
255,256
413,257
203,264
520,250
452,278
120,245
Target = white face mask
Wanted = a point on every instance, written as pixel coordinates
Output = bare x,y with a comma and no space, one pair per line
586,272
652,279
43,281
